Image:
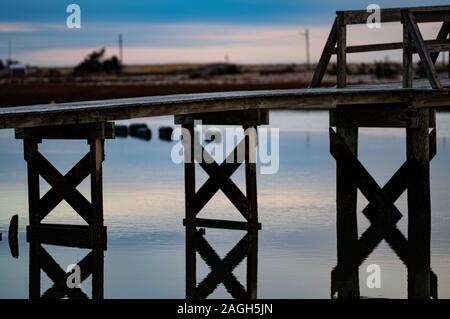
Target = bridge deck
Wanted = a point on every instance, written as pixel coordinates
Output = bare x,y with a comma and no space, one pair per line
319,98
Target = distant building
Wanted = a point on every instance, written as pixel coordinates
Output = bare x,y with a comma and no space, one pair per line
17,70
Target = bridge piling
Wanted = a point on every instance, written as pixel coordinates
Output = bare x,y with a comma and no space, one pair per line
63,187
413,177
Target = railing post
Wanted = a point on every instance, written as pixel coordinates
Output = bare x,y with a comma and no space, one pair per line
341,51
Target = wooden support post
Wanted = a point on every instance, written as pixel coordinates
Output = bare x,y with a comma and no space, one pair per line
419,208
31,146
63,187
408,67
97,157
189,193
346,218
341,52
250,174
220,178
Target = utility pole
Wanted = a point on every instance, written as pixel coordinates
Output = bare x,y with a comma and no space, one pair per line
9,53
308,53
120,49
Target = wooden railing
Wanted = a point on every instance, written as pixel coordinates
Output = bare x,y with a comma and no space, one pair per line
413,42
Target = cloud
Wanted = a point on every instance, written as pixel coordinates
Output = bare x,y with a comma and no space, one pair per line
203,43
19,27
16,27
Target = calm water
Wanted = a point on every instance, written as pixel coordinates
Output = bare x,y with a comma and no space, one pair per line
144,207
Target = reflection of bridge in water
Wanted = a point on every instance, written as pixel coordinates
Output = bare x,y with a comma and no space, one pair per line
409,105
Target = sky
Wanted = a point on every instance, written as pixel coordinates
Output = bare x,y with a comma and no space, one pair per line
183,31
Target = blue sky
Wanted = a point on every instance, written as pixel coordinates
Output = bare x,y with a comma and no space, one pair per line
35,28
217,11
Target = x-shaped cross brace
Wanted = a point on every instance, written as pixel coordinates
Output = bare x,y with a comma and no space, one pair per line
221,269
219,178
381,212
63,187
59,276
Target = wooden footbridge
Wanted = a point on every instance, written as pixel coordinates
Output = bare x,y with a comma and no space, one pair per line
410,105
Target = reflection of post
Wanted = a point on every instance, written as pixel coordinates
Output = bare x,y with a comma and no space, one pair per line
35,271
346,218
91,265
221,270
250,174
252,265
98,271
419,207
189,182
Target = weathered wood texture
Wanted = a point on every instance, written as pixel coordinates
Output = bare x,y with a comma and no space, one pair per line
413,176
394,14
119,109
346,217
246,117
419,208
64,187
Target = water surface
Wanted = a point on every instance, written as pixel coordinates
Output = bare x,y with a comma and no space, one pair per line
144,207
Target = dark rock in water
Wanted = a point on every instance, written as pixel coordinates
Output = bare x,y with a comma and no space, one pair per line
121,131
140,131
135,127
0,236
165,133
13,236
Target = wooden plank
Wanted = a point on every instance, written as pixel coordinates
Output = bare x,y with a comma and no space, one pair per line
67,132
220,224
387,14
66,235
246,117
419,208
119,109
416,36
438,16
341,72
431,45
325,57
378,115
